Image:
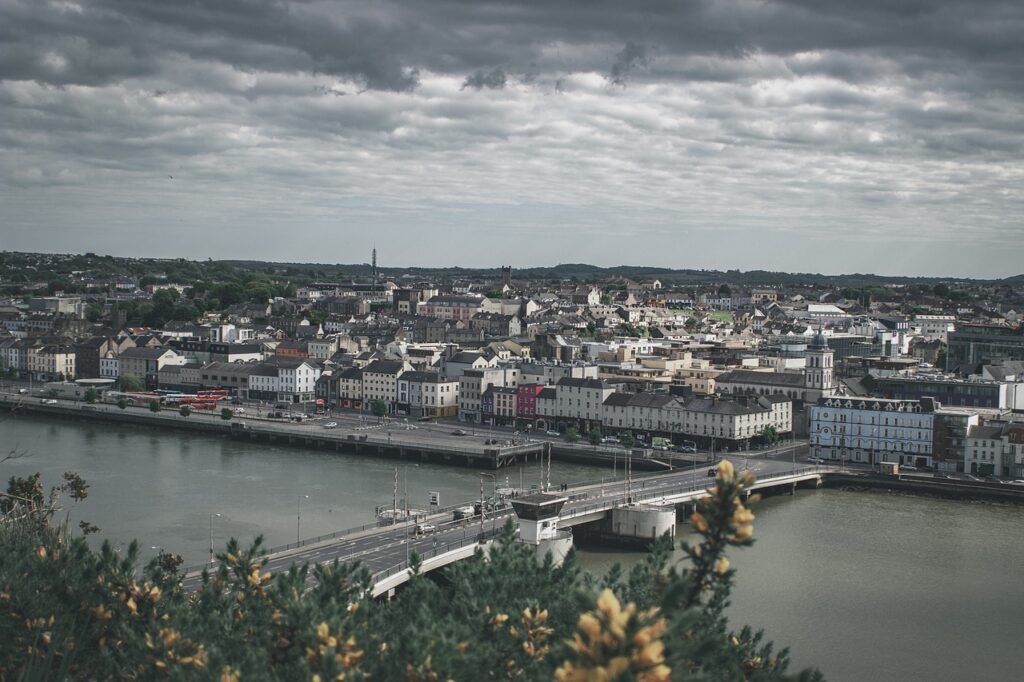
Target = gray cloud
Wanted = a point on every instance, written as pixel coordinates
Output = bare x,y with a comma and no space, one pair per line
492,80
629,58
799,121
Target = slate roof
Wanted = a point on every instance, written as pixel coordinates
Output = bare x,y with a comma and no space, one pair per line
747,376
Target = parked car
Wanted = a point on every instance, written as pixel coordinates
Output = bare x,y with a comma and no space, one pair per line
556,434
458,432
51,401
908,467
611,439
424,418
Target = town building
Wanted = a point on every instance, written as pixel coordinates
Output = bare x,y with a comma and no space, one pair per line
872,430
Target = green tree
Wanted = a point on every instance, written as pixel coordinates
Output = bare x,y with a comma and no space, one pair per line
93,312
185,410
154,406
571,435
724,290
130,382
627,440
595,435
226,414
122,403
770,435
52,393
91,394
378,408
504,617
941,290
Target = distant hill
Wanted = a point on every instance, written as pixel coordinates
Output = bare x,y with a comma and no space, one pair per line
569,272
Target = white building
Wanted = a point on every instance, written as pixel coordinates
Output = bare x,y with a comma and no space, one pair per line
871,430
284,380
934,326
428,394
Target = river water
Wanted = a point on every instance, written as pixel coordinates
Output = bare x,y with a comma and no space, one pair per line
865,586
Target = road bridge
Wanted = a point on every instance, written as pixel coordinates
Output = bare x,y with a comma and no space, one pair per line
385,550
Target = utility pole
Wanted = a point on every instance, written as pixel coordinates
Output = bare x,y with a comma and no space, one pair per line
481,507
549,469
394,500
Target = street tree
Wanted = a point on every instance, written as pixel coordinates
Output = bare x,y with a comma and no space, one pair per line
571,435
130,382
378,408
226,414
595,435
154,406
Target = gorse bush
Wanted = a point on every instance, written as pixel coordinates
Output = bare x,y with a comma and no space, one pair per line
69,612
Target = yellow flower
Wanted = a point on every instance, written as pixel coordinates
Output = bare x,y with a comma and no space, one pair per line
323,631
699,522
721,566
590,626
41,552
725,470
745,532
742,516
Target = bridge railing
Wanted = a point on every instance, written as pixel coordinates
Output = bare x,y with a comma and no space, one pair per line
687,487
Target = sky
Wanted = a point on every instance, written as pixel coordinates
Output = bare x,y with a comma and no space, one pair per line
828,136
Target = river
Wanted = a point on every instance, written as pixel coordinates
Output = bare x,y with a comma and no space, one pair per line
862,585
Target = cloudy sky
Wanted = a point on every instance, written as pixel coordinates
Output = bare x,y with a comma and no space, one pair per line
804,135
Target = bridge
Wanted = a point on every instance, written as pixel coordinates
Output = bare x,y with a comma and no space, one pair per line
385,550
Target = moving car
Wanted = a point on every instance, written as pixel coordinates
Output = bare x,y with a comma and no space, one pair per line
424,528
458,432
553,433
331,425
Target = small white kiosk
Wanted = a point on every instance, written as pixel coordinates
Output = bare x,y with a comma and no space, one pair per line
538,524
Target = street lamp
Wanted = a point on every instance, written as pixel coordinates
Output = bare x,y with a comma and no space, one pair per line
298,516
211,534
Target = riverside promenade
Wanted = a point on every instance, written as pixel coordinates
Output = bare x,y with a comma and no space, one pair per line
387,438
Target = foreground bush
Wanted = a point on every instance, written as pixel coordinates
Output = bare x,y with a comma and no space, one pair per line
69,612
